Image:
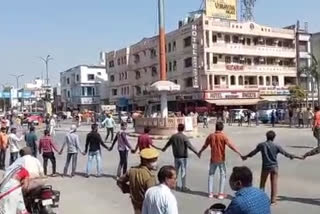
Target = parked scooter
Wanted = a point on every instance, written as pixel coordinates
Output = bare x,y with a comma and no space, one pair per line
43,200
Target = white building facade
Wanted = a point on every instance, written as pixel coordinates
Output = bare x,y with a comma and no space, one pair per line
216,62
83,87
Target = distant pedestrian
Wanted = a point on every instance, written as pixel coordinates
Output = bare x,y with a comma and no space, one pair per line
300,119
205,120
139,179
73,147
269,152
310,117
160,199
8,123
14,146
225,116
218,142
93,145
241,118
110,125
31,141
249,117
257,116
3,147
47,147
52,126
248,199
290,117
180,146
273,117
145,141
316,124
123,148
231,117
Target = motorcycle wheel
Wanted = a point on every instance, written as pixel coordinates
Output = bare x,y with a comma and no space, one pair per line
47,210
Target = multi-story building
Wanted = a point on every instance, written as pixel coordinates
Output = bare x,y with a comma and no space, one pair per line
83,87
315,43
216,62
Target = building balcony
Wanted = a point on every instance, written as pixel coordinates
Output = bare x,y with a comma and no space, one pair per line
252,68
239,49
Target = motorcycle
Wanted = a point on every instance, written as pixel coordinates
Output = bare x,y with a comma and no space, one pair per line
216,209
43,200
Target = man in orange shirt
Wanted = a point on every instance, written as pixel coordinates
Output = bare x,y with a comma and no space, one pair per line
3,146
218,142
316,124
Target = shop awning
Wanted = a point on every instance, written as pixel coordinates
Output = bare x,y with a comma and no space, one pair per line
234,102
275,98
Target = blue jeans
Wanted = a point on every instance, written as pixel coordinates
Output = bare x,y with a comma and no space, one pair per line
94,155
181,167
212,171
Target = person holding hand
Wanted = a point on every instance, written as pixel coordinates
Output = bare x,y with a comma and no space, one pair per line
73,147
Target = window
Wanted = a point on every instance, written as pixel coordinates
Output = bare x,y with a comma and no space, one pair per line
248,61
114,92
68,81
215,60
232,80
174,65
90,76
78,78
170,66
269,42
128,90
219,35
303,46
175,81
303,63
112,78
174,46
136,58
187,42
227,38
268,82
126,75
138,75
275,80
138,90
228,59
235,59
248,41
68,94
270,61
214,38
188,62
99,73
235,39
153,53
188,82
169,47
111,64
240,80
261,82
154,71
119,62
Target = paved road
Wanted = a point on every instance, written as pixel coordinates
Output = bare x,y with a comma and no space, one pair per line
299,187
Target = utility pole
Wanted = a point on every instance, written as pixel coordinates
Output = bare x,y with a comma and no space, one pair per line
46,61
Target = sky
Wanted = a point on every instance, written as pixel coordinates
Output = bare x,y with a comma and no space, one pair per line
74,32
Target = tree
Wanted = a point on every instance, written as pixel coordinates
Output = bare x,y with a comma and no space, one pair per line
297,96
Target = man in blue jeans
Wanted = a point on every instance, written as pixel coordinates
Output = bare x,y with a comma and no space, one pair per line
218,142
93,143
180,145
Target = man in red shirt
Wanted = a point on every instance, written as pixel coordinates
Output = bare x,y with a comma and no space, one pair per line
316,124
145,141
46,146
218,142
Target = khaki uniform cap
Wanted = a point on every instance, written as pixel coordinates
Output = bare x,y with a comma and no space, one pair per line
149,153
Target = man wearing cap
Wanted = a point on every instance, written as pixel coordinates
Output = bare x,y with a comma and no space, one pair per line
110,124
73,144
140,178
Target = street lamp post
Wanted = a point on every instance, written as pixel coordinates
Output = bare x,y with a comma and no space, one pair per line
46,61
17,78
4,99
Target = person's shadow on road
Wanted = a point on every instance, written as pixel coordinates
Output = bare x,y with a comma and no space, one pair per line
312,201
82,174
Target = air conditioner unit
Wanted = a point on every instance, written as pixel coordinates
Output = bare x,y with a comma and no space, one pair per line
241,38
261,39
261,59
278,60
242,58
276,42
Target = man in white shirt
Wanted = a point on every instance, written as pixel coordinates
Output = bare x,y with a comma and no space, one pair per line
110,124
159,199
13,142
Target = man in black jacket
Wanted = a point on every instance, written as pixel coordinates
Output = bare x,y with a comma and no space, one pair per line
93,143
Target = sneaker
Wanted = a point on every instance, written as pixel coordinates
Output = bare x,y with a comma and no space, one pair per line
210,195
221,196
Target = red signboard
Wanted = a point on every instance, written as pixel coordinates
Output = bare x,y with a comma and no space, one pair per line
235,67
